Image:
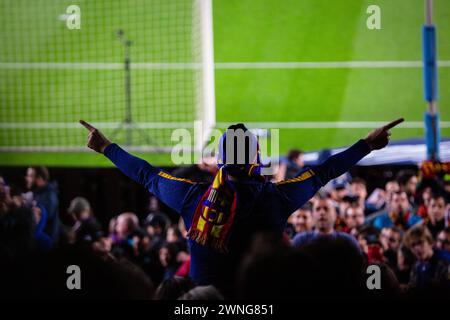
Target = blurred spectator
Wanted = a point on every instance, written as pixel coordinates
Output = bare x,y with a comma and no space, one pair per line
202,293
399,213
358,188
173,235
156,225
168,259
201,172
375,253
435,220
82,221
443,240
125,224
391,187
405,261
5,196
429,268
366,235
324,216
43,242
101,279
391,239
291,166
28,222
407,180
378,199
339,191
125,238
173,288
269,266
423,203
17,196
45,193
346,202
301,220
354,218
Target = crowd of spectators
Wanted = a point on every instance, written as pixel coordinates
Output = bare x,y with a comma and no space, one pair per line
404,228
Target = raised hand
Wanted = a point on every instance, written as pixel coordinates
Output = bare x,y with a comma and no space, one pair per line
379,138
96,140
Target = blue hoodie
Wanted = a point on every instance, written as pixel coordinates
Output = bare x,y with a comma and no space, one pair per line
262,206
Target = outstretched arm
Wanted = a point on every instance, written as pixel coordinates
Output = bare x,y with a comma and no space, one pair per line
301,188
168,189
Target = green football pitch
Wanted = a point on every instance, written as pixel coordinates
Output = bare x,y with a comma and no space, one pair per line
309,67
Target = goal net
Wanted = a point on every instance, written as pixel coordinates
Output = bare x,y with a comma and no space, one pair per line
61,62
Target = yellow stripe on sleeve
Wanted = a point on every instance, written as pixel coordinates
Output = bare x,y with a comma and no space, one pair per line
168,176
305,175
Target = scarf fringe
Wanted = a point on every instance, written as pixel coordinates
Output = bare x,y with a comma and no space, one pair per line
203,238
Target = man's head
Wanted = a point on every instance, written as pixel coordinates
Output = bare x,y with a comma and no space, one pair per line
436,208
407,179
324,214
173,234
354,217
36,177
302,219
420,241
126,224
346,202
80,208
296,156
338,194
366,236
167,254
399,202
391,187
391,238
443,240
358,188
156,224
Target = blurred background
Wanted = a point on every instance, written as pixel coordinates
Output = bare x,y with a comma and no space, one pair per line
139,69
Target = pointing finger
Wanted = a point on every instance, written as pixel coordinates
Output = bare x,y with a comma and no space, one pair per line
87,125
393,124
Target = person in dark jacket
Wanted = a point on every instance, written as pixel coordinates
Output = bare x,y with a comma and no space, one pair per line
430,268
45,193
82,221
223,217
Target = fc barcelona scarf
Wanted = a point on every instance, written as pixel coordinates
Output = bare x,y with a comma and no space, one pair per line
215,213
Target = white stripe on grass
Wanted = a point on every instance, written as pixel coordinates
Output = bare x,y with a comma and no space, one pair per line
326,65
331,124
218,65
221,125
85,149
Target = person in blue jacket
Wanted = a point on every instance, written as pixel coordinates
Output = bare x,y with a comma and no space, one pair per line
222,217
43,241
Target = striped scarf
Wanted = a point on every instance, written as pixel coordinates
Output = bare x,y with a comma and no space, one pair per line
216,211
